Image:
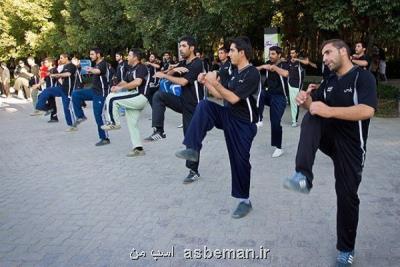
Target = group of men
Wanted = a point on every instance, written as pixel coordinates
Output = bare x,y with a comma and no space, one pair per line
339,109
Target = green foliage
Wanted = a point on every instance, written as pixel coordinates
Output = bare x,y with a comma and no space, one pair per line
385,91
49,27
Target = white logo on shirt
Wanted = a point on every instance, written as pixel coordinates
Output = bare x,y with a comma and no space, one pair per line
329,89
348,90
241,81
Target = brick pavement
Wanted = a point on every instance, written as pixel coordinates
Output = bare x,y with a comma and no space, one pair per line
65,202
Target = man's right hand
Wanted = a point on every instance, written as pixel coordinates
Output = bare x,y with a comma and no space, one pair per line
302,96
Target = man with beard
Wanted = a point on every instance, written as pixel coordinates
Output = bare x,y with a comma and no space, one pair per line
185,75
97,94
337,123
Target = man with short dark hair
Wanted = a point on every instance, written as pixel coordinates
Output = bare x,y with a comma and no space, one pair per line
130,94
360,58
274,95
97,94
295,81
153,67
67,78
237,120
185,75
337,123
225,66
122,67
166,61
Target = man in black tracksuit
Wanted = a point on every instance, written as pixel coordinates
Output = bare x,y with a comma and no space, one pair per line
188,71
274,95
237,119
337,124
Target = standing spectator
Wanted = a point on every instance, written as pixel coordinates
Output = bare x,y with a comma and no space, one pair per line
22,76
382,65
5,79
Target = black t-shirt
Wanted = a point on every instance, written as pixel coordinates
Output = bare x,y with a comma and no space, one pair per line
246,84
193,92
121,71
78,79
152,70
296,74
165,65
51,82
101,81
138,71
275,83
366,58
68,82
34,80
355,87
225,72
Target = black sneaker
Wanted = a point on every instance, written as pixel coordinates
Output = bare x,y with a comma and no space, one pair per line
242,210
192,176
103,142
188,154
157,135
54,119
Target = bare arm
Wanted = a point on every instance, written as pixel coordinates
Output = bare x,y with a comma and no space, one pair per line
352,113
280,71
226,94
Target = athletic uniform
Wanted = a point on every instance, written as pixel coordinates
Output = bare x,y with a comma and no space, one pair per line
343,141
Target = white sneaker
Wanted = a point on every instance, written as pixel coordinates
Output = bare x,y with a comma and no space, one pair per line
71,129
294,124
260,124
277,153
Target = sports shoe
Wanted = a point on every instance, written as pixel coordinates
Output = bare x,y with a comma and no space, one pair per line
192,176
48,112
103,142
344,259
277,153
294,124
260,124
180,126
242,210
135,153
157,135
54,119
71,129
37,113
188,154
110,127
80,120
298,182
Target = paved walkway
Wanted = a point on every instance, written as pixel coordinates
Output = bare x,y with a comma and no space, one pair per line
65,202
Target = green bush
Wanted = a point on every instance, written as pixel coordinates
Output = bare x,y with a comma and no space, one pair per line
387,91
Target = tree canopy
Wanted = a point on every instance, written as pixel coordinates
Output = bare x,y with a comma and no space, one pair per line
49,27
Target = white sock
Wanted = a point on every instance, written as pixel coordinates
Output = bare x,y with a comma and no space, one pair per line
245,200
